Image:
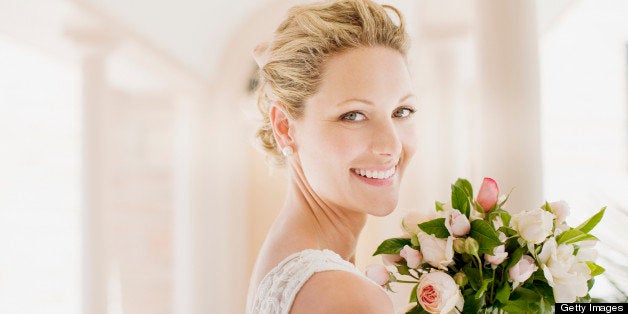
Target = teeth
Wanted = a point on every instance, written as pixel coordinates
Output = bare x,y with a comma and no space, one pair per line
376,174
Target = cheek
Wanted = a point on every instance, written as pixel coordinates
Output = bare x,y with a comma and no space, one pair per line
408,135
332,146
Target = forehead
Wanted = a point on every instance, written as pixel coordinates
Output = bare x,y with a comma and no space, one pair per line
377,74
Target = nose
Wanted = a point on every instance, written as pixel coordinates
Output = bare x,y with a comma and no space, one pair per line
385,139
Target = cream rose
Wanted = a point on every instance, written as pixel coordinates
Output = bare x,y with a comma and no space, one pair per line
413,218
413,257
533,225
438,293
567,276
524,268
437,252
457,224
378,274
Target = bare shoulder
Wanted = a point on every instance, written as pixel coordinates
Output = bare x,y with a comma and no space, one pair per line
340,292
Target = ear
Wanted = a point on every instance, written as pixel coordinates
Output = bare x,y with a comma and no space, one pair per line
280,121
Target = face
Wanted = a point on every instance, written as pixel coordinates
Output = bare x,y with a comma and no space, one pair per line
357,133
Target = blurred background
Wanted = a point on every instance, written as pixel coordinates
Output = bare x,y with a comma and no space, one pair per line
129,178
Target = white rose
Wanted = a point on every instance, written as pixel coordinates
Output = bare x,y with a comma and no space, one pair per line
438,293
498,256
587,252
563,272
561,210
437,252
457,224
533,225
524,268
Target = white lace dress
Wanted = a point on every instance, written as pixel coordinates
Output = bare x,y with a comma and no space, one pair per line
279,287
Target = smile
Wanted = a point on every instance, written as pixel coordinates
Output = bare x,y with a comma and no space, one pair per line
374,174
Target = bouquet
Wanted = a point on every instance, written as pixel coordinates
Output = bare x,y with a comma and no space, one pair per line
477,257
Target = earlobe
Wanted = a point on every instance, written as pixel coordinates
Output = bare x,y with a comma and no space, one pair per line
280,122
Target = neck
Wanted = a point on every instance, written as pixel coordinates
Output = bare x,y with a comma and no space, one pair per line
321,224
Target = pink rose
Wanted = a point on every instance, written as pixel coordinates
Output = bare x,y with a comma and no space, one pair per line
498,256
378,274
522,270
438,293
457,224
412,256
489,192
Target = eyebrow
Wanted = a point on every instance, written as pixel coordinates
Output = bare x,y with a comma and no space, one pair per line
370,103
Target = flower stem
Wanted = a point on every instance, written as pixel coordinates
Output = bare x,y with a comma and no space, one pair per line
407,281
480,266
492,296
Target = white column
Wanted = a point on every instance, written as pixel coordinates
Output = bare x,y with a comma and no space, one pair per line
95,49
509,147
183,270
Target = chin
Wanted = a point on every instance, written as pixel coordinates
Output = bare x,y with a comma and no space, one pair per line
383,210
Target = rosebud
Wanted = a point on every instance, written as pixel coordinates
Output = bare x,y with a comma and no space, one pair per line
378,274
471,246
413,257
461,279
459,245
488,194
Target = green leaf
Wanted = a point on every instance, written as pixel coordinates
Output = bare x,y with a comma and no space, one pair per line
439,206
547,207
392,246
503,293
545,305
466,187
516,306
435,227
504,215
590,223
459,200
509,232
545,291
473,274
413,297
486,236
595,269
416,310
483,288
525,294
471,304
403,270
573,236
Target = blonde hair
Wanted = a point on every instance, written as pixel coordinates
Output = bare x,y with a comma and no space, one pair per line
304,40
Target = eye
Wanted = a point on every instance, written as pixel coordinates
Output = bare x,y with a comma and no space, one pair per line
353,116
403,112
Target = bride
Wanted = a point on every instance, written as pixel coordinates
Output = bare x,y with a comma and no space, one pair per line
338,109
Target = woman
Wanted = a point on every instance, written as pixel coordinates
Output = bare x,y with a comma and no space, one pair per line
338,112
